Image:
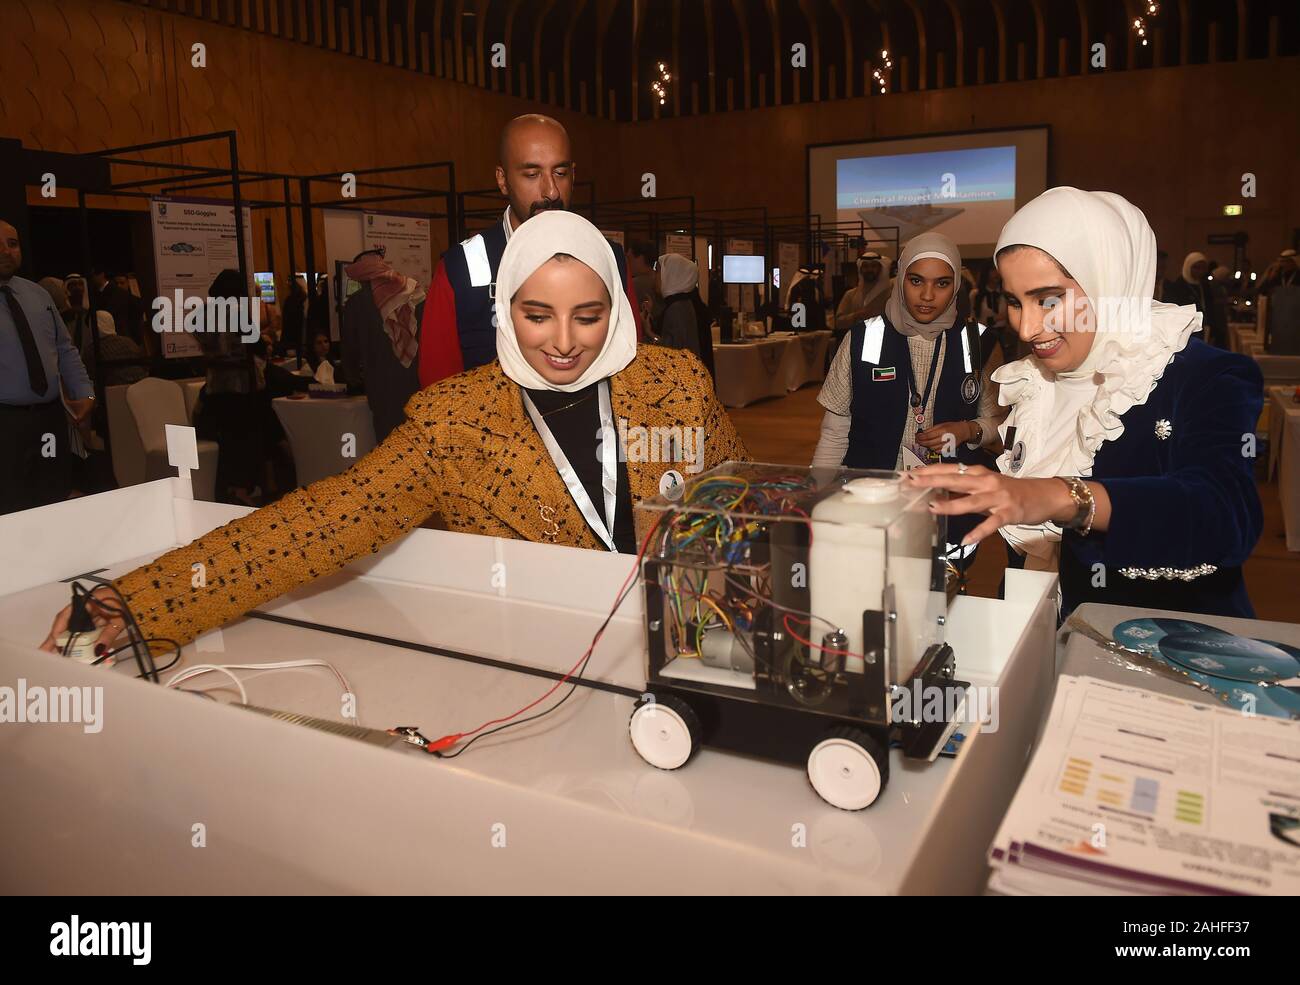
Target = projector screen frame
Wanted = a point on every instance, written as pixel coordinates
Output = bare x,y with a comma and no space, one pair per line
1048,175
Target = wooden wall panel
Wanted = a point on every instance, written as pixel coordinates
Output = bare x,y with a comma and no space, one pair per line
1175,141
90,75
85,75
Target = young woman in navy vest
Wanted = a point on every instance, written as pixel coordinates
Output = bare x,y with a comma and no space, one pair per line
1130,445
911,386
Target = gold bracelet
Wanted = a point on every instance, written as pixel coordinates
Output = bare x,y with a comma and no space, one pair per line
1085,505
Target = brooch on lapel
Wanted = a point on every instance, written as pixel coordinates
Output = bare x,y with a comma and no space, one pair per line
548,516
1163,429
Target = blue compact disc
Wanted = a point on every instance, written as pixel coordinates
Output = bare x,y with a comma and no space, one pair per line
1294,651
1146,634
1229,656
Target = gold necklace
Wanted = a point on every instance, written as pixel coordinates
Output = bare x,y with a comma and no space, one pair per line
567,406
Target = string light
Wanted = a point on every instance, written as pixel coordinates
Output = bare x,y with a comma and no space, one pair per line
660,85
879,75
1140,23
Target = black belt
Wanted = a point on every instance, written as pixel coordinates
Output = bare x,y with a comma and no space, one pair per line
44,406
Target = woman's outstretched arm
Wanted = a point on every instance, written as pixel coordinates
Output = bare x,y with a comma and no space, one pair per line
307,534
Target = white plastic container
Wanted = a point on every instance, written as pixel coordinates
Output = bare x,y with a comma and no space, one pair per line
874,535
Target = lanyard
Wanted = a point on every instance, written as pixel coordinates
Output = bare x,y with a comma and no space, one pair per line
608,458
919,402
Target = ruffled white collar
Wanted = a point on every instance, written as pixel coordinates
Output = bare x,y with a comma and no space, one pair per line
1124,373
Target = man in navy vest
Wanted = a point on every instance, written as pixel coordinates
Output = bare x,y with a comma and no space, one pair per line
535,172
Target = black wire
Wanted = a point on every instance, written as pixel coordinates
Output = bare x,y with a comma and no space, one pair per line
151,639
140,650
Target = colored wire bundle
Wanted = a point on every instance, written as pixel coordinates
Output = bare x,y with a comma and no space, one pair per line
713,529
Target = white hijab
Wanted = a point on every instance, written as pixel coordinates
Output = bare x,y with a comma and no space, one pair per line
866,293
1107,246
677,274
940,247
531,245
1190,259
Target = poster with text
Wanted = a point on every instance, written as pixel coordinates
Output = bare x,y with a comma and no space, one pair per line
406,243
679,243
193,241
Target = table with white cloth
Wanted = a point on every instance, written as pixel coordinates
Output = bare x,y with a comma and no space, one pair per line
318,430
1284,457
769,367
1241,337
808,365
424,635
1278,370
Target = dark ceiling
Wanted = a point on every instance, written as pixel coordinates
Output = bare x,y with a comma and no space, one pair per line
601,56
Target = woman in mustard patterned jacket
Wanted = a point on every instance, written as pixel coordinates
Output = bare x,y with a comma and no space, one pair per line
525,447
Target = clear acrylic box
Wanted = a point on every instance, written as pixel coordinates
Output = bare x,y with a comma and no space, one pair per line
815,590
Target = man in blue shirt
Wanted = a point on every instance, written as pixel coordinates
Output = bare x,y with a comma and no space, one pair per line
38,365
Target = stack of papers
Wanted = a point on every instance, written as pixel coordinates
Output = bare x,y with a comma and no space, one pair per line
1136,793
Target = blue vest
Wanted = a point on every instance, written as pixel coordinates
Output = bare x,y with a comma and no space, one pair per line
471,268
881,364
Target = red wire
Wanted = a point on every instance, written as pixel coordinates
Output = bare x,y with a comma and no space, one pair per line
824,649
447,741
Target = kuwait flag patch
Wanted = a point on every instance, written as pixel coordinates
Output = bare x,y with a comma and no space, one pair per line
882,374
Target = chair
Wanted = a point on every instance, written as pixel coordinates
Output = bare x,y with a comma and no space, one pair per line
154,404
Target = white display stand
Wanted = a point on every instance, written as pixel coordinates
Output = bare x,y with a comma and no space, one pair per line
561,805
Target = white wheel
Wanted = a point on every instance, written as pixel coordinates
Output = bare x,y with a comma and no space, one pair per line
844,772
664,732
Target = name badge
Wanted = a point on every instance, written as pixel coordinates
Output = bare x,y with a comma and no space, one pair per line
671,485
970,388
1017,456
882,374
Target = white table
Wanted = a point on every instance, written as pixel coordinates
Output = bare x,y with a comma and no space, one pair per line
750,371
770,367
1277,370
288,809
1242,336
328,435
808,364
1284,457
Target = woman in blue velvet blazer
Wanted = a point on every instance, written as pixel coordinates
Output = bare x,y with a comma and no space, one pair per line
1130,445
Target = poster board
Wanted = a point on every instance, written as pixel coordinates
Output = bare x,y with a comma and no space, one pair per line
405,237
193,241
679,243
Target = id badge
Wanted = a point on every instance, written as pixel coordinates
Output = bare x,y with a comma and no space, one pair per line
910,460
926,455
